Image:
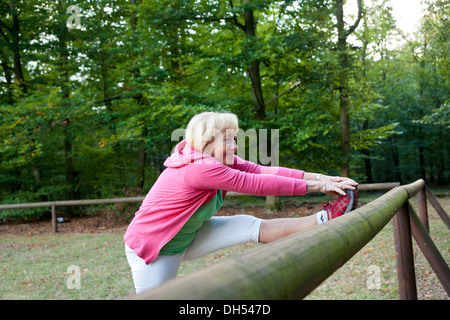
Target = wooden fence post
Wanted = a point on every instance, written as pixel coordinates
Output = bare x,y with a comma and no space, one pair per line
429,250
440,211
422,206
404,254
54,219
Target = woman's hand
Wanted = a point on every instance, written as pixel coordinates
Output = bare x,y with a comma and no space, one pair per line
342,180
324,178
336,189
334,186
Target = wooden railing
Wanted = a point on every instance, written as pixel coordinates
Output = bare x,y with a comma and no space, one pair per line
290,268
64,203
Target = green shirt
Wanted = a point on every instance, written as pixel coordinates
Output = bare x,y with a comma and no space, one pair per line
183,239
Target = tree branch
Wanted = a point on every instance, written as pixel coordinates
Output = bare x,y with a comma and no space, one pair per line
6,26
107,99
3,34
282,94
355,25
234,19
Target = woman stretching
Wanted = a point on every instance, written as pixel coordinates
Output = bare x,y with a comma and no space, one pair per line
175,221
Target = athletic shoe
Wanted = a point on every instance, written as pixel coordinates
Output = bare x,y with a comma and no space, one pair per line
342,205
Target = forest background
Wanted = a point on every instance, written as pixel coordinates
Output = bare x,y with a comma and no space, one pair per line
91,91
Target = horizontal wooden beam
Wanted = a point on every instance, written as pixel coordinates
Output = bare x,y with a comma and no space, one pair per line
63,203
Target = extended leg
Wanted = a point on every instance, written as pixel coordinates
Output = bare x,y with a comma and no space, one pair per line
275,229
160,270
222,232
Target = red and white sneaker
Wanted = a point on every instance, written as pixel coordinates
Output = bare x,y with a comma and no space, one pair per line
341,205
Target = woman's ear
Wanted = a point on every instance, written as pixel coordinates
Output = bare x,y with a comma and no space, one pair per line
208,148
213,153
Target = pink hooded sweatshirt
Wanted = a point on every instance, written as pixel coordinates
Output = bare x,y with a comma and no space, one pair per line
190,180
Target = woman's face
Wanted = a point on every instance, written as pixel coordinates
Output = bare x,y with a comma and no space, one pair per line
224,147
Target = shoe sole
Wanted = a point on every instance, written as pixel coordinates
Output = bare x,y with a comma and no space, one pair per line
352,205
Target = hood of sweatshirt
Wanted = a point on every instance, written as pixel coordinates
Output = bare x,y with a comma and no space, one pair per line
184,154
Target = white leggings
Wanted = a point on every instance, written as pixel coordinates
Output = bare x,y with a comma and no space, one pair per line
215,234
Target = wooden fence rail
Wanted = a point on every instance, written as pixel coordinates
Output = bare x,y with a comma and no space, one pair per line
292,267
54,204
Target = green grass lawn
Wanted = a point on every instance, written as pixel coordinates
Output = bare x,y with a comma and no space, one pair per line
39,267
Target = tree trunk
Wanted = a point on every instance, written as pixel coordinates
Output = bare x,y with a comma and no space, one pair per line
11,37
421,147
15,42
366,152
344,119
344,125
71,174
8,76
142,160
395,160
272,202
135,73
367,160
253,70
343,82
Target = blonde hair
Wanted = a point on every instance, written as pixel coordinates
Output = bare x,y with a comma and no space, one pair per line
205,127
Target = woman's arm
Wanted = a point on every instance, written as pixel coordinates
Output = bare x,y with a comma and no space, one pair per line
218,176
324,178
250,167
315,182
